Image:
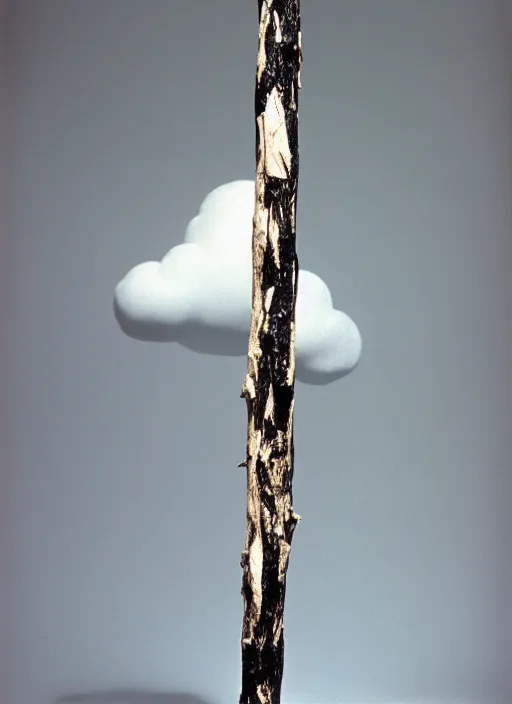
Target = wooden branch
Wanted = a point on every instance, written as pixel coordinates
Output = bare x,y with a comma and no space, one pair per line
269,383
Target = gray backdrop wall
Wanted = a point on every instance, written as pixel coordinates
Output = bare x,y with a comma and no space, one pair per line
126,510
5,410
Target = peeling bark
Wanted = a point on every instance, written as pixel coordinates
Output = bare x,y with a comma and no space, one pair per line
269,383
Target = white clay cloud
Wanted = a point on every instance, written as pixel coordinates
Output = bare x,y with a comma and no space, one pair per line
199,295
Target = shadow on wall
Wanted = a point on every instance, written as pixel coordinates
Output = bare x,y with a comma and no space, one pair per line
131,697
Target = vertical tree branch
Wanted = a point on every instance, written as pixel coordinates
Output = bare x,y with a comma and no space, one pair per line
269,383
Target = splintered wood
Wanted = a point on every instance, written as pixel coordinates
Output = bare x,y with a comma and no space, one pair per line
269,383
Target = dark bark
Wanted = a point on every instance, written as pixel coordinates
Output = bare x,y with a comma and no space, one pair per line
269,383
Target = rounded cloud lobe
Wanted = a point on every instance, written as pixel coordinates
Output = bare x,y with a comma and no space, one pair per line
199,295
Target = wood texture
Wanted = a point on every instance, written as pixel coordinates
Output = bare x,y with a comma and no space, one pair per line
269,383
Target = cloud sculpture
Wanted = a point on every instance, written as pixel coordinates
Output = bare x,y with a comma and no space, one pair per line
199,295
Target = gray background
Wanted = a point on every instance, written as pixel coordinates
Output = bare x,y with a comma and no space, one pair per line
126,510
